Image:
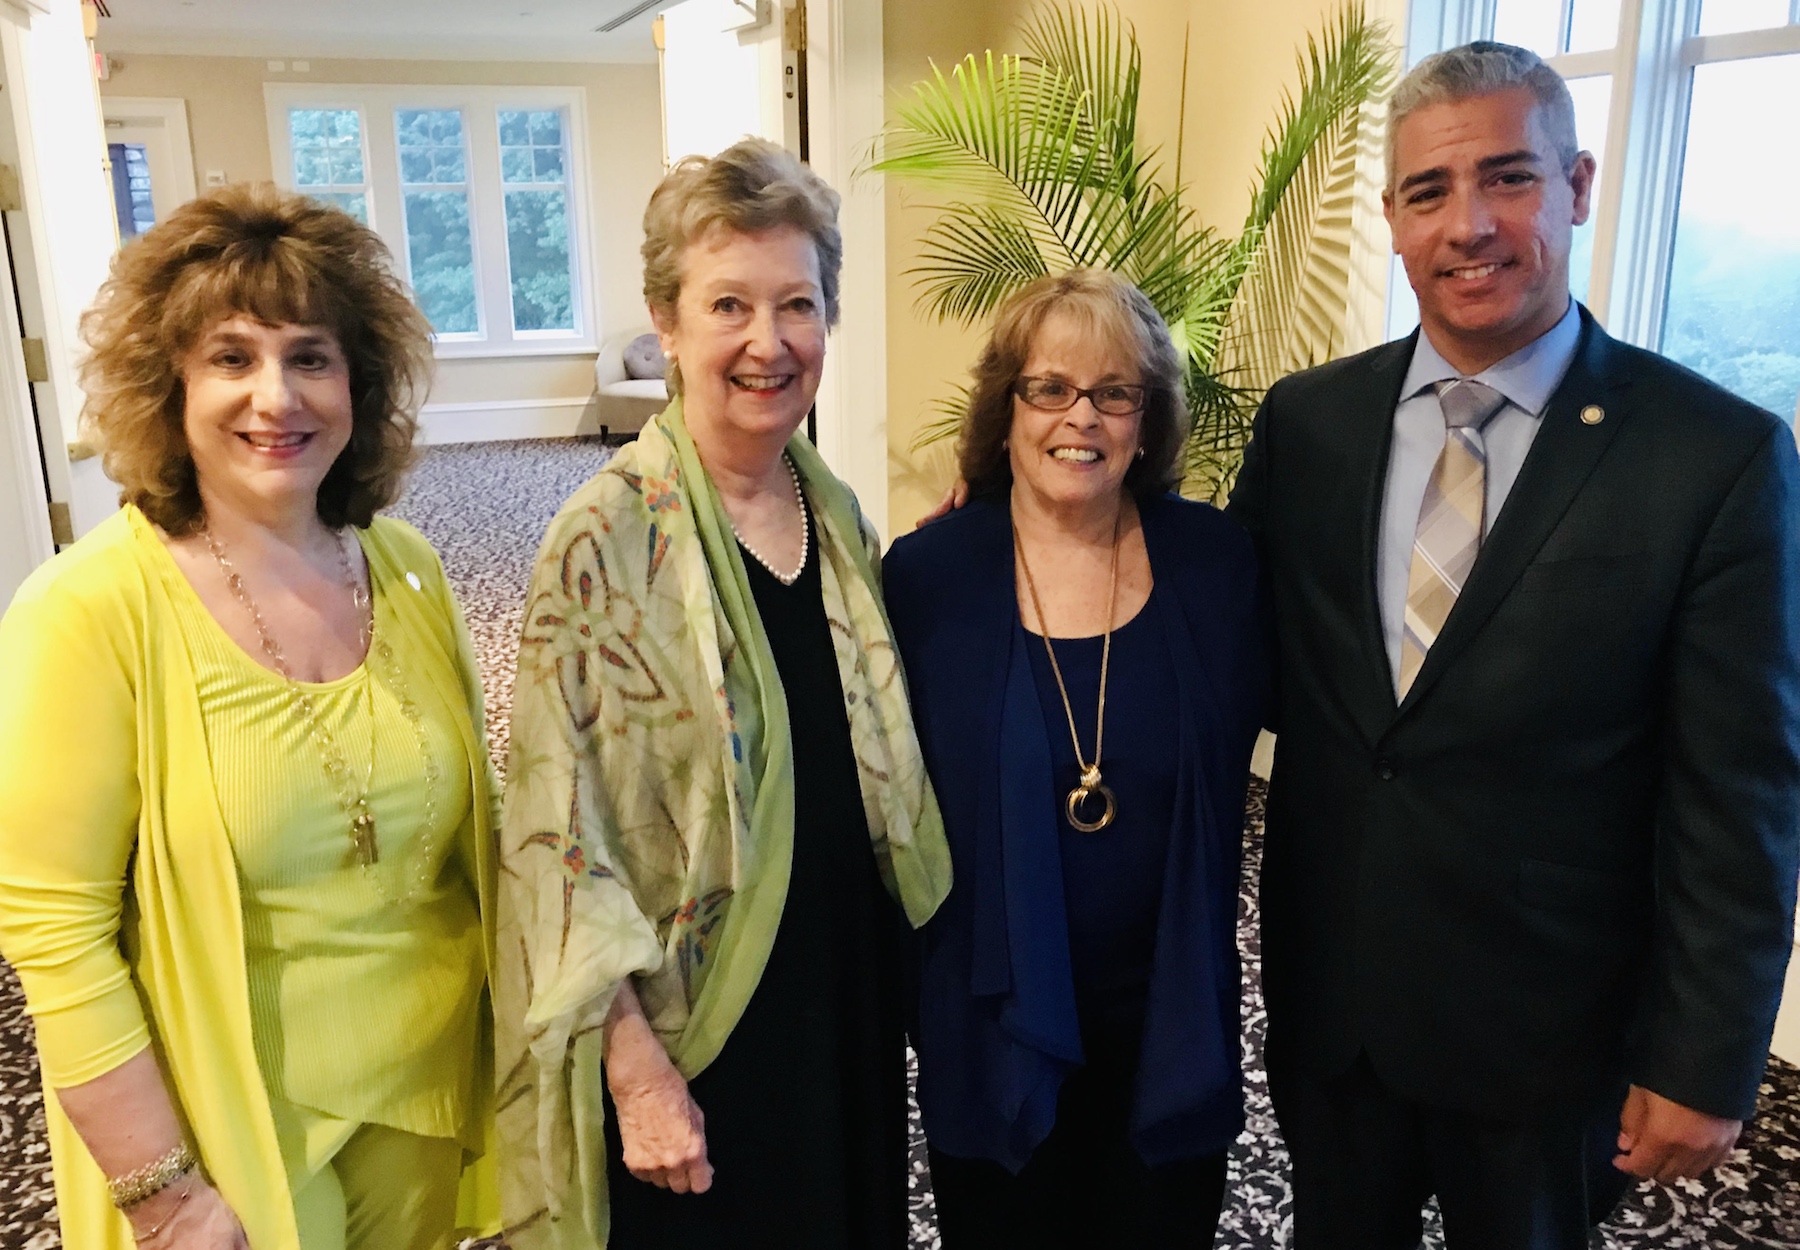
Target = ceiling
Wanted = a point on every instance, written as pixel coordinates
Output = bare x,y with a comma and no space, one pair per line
457,30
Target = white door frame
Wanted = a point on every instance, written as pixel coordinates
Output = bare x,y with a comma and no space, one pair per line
845,82
25,537
845,113
161,126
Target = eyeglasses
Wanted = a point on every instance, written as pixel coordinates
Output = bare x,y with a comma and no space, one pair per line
1115,399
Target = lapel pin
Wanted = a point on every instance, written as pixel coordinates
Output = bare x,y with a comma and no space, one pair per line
412,579
1593,414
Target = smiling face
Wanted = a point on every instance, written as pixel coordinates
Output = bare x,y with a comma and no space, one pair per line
1482,213
267,414
748,332
1076,459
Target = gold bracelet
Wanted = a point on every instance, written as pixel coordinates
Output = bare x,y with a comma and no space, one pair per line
151,1179
163,1223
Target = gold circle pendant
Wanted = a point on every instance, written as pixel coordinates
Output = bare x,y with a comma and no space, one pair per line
1079,796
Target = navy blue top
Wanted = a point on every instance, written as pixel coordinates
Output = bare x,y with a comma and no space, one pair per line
1112,879
998,1024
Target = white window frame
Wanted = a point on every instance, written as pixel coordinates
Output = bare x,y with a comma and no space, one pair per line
483,317
284,169
1652,68
480,106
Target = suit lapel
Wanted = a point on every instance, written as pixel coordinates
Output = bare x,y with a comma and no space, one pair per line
1370,422
1562,456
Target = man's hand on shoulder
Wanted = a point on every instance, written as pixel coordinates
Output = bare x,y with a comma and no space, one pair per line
1659,1139
954,498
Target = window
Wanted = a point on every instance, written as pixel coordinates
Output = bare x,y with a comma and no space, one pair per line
478,191
328,159
533,159
132,202
1693,248
434,190
1733,305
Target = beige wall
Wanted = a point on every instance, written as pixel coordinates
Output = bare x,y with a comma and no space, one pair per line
1240,57
227,120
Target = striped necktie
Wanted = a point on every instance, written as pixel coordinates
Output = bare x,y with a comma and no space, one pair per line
1449,533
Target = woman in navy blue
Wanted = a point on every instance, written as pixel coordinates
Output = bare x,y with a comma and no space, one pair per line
1085,659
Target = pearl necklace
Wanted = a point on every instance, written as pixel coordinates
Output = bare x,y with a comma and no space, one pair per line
786,579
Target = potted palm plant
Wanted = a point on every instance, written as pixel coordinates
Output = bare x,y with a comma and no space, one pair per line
1038,167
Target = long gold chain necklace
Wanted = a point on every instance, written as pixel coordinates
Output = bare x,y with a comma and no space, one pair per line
353,798
1091,784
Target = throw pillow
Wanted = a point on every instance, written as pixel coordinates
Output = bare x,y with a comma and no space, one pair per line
644,358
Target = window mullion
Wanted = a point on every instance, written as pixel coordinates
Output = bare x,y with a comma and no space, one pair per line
387,207
1740,45
1651,97
487,209
1432,27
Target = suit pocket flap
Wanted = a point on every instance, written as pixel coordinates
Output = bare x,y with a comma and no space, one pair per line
1586,573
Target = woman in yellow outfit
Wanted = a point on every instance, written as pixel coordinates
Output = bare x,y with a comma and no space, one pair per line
246,802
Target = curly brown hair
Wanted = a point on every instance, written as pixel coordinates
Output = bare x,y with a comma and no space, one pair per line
282,259
752,186
1112,311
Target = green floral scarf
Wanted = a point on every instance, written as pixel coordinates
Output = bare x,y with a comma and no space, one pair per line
649,811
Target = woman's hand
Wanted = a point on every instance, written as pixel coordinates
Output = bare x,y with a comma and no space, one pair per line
660,1128
188,1215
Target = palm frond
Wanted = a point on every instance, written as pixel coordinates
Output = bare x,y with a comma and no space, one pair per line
992,130
1039,166
1350,64
948,422
1289,314
1222,415
1102,59
972,257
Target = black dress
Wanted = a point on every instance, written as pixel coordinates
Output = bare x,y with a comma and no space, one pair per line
806,1104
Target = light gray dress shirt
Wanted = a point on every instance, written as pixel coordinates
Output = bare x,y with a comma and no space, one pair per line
1527,378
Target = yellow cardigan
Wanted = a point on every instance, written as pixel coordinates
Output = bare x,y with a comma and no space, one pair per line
113,852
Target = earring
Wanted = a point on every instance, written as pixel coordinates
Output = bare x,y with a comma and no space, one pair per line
1139,455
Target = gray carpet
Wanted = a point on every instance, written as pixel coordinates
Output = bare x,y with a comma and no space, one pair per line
484,507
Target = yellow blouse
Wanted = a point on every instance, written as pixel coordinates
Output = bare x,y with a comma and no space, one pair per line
365,988
121,905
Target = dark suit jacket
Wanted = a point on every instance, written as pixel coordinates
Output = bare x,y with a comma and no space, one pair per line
1567,859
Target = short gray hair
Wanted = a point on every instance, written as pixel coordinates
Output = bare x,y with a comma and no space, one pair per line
752,186
1482,68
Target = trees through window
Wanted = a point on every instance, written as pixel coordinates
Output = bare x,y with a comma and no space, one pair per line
475,189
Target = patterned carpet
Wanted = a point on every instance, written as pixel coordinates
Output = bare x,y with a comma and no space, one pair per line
484,507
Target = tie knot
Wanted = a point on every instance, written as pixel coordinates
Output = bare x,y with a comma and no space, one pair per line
1467,404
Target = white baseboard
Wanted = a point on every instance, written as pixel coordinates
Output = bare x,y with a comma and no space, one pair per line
1787,1025
507,418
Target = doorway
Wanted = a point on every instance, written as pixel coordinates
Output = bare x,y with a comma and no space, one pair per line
152,160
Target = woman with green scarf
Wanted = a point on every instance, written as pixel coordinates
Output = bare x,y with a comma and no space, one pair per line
717,817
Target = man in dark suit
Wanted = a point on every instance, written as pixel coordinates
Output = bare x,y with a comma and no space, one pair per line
1534,825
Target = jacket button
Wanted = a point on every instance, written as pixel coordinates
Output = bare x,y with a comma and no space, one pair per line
1386,769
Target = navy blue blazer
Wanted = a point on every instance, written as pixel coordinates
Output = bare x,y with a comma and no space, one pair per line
996,1029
